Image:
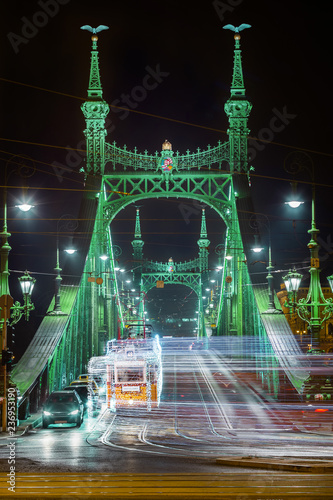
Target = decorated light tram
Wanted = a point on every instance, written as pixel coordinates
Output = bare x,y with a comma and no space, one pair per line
130,374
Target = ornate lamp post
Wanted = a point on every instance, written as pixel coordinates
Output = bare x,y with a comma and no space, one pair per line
10,313
70,226
255,223
314,309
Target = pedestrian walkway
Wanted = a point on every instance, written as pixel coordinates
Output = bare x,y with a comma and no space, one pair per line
226,486
24,426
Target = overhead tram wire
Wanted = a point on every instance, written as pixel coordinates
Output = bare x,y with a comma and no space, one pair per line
259,176
166,118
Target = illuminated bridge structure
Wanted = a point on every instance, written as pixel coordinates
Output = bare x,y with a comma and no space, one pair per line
92,307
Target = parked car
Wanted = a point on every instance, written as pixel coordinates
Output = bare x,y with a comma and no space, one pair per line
91,383
82,390
63,407
197,345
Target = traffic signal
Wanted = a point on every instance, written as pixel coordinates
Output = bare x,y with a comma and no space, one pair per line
7,357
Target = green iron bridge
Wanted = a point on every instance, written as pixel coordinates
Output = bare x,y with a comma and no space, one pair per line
92,308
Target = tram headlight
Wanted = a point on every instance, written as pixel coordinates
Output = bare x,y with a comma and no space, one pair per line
130,401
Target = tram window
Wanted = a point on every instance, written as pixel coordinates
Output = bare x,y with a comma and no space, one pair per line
130,374
153,374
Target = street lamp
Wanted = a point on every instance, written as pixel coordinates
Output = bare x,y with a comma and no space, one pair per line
10,313
314,309
294,202
71,226
27,284
256,222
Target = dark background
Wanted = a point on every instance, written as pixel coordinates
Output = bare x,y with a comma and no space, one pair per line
286,62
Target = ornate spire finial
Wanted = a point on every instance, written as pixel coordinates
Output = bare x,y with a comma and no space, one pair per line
237,86
95,87
137,234
203,232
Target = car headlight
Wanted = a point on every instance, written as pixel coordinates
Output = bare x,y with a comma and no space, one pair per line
46,413
74,412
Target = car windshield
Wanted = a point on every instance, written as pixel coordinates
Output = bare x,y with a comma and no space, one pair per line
61,398
81,390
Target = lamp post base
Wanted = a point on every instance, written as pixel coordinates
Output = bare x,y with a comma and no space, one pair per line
56,313
272,310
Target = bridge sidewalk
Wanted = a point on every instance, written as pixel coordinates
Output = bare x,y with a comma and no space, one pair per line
24,426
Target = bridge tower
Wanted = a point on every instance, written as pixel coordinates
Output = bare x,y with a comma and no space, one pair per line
238,109
95,110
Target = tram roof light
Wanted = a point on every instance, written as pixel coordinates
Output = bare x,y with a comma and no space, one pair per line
207,289
212,281
103,257
211,305
128,281
117,268
228,257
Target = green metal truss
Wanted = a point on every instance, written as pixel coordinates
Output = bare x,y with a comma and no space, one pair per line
192,280
129,176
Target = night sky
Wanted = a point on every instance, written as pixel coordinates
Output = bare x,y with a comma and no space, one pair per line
45,60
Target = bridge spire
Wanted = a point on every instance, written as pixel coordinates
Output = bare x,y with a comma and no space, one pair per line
203,244
238,109
95,110
137,234
95,87
137,245
203,232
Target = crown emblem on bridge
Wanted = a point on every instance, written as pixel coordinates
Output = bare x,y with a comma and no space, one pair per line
166,146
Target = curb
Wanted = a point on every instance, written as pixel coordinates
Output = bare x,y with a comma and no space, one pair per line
30,426
296,465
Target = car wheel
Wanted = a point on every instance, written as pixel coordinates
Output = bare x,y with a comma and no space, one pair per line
79,422
45,424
